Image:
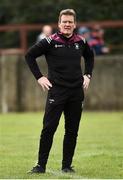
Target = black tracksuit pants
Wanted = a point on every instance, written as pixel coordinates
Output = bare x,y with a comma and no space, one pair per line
69,101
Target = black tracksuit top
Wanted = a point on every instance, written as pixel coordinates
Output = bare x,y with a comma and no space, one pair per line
63,56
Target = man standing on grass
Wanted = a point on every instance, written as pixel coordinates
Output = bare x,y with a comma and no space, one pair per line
65,83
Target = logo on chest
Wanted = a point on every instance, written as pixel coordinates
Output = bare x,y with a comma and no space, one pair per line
76,45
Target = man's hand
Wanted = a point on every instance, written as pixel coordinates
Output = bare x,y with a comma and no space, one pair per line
86,82
45,83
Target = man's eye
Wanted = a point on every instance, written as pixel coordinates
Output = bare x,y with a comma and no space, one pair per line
70,22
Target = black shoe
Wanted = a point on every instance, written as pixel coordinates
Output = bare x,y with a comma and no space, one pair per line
68,170
37,169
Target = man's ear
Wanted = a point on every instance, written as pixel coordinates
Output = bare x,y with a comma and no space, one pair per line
59,25
75,25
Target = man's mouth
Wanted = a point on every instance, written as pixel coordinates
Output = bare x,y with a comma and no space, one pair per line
67,28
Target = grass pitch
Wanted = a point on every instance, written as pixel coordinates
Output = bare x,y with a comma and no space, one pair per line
99,151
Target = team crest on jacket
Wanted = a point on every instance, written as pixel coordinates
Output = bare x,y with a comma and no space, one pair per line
76,46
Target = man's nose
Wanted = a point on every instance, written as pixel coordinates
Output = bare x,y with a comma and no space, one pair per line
67,23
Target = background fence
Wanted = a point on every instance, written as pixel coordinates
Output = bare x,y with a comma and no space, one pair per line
19,91
24,30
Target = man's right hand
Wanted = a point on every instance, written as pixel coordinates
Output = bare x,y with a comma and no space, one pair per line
44,83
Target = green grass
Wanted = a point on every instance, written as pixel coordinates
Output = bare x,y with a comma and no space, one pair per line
99,152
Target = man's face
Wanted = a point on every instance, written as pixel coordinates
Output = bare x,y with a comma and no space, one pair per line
67,25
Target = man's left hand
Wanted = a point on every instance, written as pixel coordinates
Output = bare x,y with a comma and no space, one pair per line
86,82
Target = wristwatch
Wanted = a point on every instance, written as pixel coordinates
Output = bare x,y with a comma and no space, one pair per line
88,75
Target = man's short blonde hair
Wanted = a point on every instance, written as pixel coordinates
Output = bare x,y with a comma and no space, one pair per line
70,12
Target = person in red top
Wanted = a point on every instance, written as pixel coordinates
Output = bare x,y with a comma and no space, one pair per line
96,42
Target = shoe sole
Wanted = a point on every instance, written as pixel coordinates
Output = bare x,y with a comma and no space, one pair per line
30,172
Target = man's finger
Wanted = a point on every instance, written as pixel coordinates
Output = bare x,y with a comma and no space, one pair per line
49,84
43,87
47,87
84,86
84,83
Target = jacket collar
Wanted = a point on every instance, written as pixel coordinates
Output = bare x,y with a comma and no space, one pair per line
69,40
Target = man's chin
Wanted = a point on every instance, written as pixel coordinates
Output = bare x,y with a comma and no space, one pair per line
67,34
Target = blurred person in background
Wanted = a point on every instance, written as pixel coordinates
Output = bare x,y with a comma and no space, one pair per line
96,41
84,32
46,32
65,84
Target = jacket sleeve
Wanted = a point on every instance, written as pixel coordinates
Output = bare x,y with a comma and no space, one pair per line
88,58
35,51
